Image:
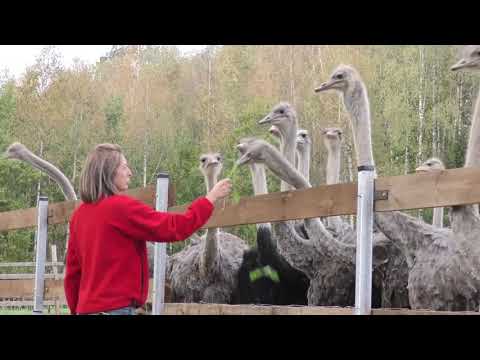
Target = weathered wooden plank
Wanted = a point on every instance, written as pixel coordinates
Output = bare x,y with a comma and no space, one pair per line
18,219
420,312
23,276
24,303
28,264
223,309
54,290
415,191
60,212
325,200
442,188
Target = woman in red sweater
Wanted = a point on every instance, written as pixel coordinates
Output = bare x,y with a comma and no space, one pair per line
106,262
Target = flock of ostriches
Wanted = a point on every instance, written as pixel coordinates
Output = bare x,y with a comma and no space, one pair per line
312,262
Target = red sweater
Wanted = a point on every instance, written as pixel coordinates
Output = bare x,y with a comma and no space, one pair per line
106,261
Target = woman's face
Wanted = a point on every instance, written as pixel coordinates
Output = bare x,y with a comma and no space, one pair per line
122,175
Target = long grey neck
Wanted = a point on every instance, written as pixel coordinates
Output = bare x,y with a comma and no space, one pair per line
288,147
211,237
259,181
333,177
472,159
438,217
333,165
356,103
303,165
473,149
282,168
259,178
53,172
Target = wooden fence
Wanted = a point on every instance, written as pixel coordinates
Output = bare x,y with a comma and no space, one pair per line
415,191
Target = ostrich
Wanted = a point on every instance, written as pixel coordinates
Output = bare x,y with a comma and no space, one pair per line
328,263
332,139
431,165
292,285
207,271
443,264
304,152
19,151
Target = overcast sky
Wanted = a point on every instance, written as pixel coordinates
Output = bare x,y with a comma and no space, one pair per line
16,58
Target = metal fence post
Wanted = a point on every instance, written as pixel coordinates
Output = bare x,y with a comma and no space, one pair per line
41,253
364,251
160,252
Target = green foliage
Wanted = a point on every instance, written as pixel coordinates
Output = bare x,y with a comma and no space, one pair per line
113,118
165,110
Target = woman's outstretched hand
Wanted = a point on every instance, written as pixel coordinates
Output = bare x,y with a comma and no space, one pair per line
221,189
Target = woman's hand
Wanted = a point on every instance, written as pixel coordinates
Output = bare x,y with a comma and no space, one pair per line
221,189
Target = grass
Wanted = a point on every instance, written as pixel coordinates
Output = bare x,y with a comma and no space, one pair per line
29,311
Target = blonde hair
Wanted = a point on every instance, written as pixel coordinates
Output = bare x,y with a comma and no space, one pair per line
96,179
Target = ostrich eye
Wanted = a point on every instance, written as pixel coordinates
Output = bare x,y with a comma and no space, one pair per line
304,135
338,76
281,111
219,158
203,160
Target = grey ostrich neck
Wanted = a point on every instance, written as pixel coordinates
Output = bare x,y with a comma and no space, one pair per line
288,148
405,231
52,172
259,182
473,149
259,178
333,164
465,219
211,238
304,161
357,104
319,236
284,169
438,217
333,177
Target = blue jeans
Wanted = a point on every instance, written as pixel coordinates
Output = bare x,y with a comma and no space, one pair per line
128,310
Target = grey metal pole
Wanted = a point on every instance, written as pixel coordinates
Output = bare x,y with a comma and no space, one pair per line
41,253
160,252
363,271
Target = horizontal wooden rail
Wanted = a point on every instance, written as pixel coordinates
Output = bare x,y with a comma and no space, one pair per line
28,264
415,191
60,212
54,291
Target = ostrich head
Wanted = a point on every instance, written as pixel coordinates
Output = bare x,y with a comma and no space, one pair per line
342,79
274,131
303,140
470,59
332,137
430,165
211,164
283,116
252,150
16,151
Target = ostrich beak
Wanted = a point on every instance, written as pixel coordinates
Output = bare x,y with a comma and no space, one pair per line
459,65
243,160
326,85
422,169
213,163
266,120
